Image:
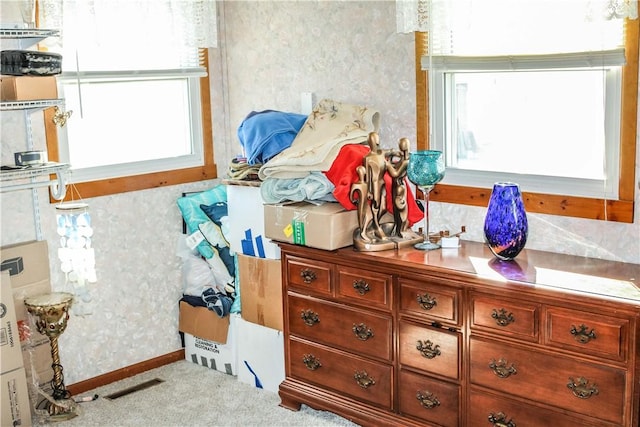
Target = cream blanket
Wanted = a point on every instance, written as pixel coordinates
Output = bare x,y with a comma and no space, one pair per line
330,126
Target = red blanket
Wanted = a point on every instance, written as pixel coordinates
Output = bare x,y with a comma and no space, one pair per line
342,174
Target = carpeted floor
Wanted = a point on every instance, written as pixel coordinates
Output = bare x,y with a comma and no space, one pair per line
191,395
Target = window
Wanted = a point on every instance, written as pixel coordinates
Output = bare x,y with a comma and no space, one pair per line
562,128
141,111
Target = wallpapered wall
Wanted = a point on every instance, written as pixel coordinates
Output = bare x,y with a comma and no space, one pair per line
269,53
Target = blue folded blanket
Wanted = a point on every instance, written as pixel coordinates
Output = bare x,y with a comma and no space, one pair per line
315,186
264,134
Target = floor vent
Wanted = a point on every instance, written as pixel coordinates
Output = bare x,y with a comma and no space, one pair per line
133,389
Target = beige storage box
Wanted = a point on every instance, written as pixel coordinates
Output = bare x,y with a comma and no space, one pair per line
14,399
260,281
10,349
28,88
203,323
326,226
28,267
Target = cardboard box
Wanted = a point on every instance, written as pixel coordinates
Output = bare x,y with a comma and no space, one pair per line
28,88
260,283
15,399
10,349
260,356
326,226
245,208
203,323
28,264
214,355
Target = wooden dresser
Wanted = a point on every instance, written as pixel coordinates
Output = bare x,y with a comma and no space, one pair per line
454,337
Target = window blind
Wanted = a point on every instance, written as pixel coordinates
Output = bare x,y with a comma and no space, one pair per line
519,35
109,35
601,59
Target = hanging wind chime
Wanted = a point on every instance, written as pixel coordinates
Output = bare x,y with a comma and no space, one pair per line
76,254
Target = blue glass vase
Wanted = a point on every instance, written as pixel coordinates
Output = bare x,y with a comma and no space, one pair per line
506,226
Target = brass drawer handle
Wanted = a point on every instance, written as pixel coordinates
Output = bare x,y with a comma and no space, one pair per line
427,399
426,301
502,317
362,331
309,317
501,369
500,420
581,335
361,286
427,349
363,379
581,388
311,362
308,275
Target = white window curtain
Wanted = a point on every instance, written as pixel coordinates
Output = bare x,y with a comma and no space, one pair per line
144,23
495,35
412,15
475,15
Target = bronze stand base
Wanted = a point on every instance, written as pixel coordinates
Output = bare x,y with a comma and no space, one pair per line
391,242
61,410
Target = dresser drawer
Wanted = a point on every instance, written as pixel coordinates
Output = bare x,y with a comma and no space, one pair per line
587,333
369,289
308,276
502,410
505,316
549,379
341,326
431,300
428,399
432,350
342,372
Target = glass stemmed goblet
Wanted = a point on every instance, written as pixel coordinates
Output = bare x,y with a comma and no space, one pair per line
425,170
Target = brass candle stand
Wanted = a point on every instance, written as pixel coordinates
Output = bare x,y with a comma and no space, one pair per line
51,313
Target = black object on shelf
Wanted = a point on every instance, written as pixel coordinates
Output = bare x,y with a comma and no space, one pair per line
30,63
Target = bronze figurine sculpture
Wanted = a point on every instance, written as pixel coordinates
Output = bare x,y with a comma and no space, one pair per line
382,227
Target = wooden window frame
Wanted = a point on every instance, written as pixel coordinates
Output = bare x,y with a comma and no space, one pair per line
620,210
105,187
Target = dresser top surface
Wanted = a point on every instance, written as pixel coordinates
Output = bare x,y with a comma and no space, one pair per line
617,280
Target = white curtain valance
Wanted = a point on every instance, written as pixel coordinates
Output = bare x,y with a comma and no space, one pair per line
413,15
507,28
189,23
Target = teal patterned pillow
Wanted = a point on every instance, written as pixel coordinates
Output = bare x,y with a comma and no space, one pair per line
193,215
